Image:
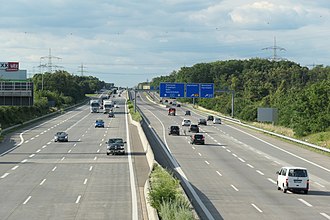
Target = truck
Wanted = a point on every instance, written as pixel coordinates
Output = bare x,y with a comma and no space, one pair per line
107,106
94,105
171,111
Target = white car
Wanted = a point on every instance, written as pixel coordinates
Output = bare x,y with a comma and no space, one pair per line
186,122
217,121
293,178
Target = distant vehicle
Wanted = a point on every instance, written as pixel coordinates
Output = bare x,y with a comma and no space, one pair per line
99,123
94,105
210,118
217,121
186,122
166,101
107,106
115,146
171,111
178,105
116,106
202,121
187,112
193,128
111,114
174,129
61,136
293,178
197,139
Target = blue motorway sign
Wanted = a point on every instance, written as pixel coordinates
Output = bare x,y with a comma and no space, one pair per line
171,90
192,90
206,90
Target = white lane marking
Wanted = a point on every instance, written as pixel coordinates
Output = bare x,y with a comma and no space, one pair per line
78,199
271,180
193,147
199,154
219,173
228,151
100,144
243,161
62,158
102,140
15,167
234,155
267,157
32,138
250,165
38,151
69,151
261,173
234,187
54,169
26,201
256,207
306,203
37,135
23,161
90,168
319,184
49,142
98,151
277,162
325,215
85,181
26,142
42,182
79,139
75,144
32,155
4,175
207,162
95,158
44,146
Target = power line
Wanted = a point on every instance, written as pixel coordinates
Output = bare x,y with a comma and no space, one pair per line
275,48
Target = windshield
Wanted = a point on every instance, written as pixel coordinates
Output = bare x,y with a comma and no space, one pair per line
95,104
116,140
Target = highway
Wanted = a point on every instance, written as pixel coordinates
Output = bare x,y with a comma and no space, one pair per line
43,179
233,176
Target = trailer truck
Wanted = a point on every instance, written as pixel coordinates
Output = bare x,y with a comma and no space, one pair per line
94,105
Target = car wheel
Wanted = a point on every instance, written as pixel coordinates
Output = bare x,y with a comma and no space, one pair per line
305,191
108,154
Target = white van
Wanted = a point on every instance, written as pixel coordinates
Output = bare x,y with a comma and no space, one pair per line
293,178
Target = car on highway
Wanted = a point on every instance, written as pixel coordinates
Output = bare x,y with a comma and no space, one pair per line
193,128
210,118
197,139
202,121
293,179
115,146
178,105
174,129
111,114
187,112
186,122
61,136
99,123
217,121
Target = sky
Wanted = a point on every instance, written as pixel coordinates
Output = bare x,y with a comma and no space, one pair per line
128,42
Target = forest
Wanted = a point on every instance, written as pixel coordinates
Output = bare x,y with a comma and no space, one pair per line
301,95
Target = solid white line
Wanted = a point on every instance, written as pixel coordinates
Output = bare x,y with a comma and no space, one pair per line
78,199
23,161
32,155
4,175
207,162
249,165
26,201
85,181
271,180
219,173
306,203
90,168
234,187
42,182
319,184
15,167
54,169
261,173
325,215
259,210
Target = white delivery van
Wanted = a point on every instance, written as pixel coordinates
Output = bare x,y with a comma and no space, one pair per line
293,179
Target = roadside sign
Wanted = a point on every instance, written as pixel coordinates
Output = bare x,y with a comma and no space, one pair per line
206,90
171,90
192,90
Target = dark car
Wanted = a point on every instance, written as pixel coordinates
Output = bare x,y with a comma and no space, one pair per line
210,118
61,136
193,128
202,121
111,114
99,123
178,105
197,139
174,129
115,146
187,112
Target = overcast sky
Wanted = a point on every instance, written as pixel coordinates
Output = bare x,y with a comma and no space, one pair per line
127,42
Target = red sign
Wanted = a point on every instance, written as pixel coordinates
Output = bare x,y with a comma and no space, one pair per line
12,66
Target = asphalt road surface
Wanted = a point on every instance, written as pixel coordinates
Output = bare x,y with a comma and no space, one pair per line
43,179
233,175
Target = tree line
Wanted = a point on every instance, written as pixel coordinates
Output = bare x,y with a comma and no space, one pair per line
301,95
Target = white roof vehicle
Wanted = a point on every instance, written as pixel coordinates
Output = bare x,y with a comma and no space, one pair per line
186,122
293,178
